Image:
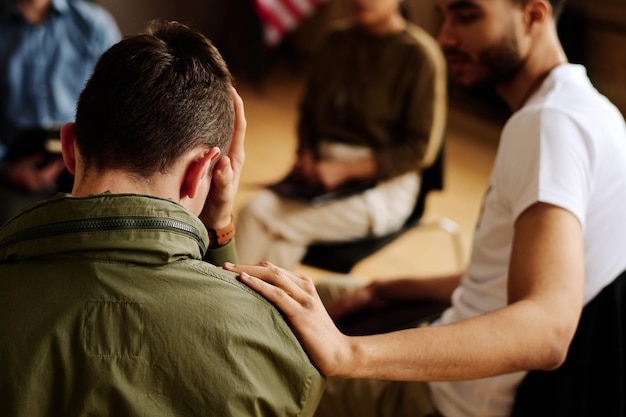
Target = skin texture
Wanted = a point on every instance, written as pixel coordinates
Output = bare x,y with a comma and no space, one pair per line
190,182
511,47
35,11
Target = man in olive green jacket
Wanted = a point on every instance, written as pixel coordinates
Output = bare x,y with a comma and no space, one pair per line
111,302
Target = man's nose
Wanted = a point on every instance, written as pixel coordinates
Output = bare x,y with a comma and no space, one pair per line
447,36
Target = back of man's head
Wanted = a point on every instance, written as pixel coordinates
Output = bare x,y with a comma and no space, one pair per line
153,97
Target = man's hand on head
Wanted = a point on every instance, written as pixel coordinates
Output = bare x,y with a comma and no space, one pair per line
218,207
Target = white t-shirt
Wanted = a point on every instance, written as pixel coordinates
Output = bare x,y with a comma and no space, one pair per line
566,147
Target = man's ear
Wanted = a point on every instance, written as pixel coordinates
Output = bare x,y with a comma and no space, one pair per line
197,171
68,146
537,11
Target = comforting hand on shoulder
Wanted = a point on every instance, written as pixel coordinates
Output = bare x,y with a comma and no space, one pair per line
295,295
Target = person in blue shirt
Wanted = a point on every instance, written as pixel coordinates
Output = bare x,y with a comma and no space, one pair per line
48,49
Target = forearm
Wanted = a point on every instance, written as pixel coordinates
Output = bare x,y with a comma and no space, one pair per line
406,289
532,333
545,287
361,169
334,173
505,341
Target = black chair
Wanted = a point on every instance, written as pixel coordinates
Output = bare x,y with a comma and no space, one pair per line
342,256
592,380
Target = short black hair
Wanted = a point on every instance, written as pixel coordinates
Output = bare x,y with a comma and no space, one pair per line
151,98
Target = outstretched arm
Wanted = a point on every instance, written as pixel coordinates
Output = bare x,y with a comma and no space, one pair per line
378,293
532,332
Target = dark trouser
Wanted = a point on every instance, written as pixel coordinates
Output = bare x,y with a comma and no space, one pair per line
368,397
374,398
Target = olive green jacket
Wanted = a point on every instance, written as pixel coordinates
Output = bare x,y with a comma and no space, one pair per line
108,309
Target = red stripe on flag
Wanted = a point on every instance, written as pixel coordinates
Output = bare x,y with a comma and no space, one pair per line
280,17
269,18
293,9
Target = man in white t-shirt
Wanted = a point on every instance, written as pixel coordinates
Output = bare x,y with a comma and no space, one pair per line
549,238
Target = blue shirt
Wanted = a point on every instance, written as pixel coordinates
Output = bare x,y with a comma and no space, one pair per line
44,67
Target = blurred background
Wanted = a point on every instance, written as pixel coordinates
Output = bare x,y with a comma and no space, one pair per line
270,80
594,32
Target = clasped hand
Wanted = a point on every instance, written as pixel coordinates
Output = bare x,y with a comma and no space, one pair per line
29,173
327,173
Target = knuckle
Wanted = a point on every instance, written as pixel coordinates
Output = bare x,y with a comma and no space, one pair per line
308,283
266,264
308,302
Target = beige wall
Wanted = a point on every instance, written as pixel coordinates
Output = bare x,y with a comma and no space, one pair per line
132,15
232,25
605,46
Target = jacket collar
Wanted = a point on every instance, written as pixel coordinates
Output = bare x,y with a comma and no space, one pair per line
122,227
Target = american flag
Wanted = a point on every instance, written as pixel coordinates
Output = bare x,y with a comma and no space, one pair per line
279,17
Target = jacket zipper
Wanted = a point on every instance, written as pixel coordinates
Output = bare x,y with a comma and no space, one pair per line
105,223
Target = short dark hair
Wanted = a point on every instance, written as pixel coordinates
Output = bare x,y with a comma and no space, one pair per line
153,97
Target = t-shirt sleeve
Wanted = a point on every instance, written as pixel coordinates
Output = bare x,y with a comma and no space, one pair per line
549,161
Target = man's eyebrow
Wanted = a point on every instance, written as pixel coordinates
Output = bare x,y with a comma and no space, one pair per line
462,5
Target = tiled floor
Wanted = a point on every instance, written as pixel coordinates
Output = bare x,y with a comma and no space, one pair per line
271,111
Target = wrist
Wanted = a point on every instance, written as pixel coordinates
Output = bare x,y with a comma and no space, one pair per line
221,236
378,297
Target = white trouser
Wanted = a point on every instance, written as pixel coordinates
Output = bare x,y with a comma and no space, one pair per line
278,229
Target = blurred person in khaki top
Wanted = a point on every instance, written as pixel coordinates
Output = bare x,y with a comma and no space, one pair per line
373,113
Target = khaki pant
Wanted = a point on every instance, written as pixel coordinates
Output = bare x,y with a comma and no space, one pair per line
369,397
279,230
375,398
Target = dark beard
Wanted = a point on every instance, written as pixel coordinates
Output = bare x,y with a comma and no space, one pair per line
502,61
499,64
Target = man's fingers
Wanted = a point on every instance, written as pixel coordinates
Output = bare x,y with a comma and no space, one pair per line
295,295
236,152
275,294
291,284
240,114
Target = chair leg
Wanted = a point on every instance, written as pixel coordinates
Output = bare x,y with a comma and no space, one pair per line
452,229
